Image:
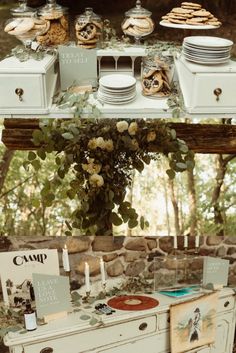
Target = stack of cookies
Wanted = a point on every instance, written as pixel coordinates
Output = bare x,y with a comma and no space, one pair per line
26,28
88,33
138,26
57,31
192,14
155,79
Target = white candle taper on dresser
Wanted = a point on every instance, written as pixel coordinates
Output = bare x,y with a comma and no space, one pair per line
175,242
197,241
87,279
65,259
185,241
102,269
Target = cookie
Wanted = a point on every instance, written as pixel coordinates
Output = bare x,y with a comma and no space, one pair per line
195,23
140,23
201,13
20,26
180,10
214,23
181,17
80,25
87,46
174,20
91,41
197,19
64,22
88,33
192,4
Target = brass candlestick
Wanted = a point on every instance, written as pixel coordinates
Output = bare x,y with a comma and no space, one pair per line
86,297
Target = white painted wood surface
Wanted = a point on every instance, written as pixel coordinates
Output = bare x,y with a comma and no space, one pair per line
121,332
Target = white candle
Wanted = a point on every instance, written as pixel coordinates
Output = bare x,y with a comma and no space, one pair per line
87,280
65,259
197,238
102,269
185,241
175,242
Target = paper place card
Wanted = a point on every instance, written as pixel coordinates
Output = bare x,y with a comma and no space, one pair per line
52,294
77,66
215,271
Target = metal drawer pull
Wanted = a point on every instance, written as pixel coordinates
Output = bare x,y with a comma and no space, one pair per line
19,92
46,350
143,326
217,93
226,304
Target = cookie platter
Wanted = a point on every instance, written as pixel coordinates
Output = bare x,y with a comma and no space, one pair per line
186,26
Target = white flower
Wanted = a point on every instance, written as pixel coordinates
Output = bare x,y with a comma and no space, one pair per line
91,167
133,128
135,145
101,143
96,180
109,146
122,126
92,144
151,136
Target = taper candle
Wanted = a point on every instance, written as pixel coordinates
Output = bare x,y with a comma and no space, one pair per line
102,269
87,279
175,242
65,259
197,240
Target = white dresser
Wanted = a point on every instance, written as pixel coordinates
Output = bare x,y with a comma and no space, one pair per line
123,332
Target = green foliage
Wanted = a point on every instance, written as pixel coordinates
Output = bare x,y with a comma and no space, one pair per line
97,158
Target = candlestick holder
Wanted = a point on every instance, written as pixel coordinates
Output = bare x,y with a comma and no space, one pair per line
68,273
87,296
104,285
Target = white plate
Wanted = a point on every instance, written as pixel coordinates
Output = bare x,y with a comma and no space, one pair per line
207,56
116,103
117,81
117,92
206,50
112,99
207,59
175,25
200,61
208,42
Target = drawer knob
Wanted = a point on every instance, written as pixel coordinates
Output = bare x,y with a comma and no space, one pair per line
46,350
217,93
226,304
143,326
19,92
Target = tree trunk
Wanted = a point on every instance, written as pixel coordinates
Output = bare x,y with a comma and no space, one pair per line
221,168
4,166
175,207
192,203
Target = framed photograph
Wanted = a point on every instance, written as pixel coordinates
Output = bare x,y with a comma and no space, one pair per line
193,323
16,269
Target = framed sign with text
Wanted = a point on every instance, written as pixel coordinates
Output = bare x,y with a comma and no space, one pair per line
77,66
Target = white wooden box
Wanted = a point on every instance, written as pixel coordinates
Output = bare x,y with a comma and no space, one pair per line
200,85
27,87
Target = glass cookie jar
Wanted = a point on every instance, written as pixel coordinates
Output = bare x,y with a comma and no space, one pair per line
138,22
88,29
156,77
24,24
57,31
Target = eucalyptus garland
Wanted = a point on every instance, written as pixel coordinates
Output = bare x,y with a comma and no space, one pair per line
94,161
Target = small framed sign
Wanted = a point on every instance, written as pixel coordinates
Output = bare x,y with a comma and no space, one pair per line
77,66
215,271
52,296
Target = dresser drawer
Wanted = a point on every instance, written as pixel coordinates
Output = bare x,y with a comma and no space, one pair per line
164,321
31,87
226,304
95,338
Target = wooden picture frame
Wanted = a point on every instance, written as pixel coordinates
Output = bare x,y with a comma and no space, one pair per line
193,323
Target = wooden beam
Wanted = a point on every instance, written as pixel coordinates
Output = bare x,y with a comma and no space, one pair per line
201,138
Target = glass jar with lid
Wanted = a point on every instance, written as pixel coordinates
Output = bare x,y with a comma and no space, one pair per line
57,24
88,29
24,24
138,22
157,73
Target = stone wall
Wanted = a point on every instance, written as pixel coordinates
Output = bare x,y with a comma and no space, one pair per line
123,256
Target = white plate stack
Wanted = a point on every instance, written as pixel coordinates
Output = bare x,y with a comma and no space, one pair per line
117,89
207,50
